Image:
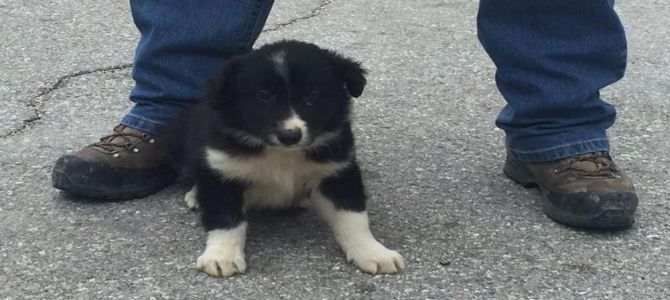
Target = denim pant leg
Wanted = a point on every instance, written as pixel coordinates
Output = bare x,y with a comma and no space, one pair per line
181,44
552,59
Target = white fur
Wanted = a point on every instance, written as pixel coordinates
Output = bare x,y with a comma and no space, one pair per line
278,178
190,199
295,122
224,254
352,232
279,60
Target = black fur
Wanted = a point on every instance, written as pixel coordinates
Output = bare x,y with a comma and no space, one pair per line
247,97
345,189
220,200
338,149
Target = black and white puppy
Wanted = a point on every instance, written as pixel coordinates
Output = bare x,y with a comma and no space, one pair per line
275,132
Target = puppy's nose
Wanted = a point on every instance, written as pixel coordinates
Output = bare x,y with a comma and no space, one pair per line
289,137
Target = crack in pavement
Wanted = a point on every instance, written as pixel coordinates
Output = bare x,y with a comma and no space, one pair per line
315,12
38,101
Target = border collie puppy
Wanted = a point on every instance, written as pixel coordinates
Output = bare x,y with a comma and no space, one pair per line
275,132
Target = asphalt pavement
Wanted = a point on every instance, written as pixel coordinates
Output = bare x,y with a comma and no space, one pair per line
429,149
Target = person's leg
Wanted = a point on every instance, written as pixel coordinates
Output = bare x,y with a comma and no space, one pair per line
552,59
181,43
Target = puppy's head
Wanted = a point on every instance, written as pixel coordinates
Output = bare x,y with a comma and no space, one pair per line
286,94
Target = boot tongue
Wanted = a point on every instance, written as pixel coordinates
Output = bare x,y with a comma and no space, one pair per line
585,166
595,164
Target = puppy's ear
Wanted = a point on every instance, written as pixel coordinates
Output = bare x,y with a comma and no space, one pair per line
350,72
221,86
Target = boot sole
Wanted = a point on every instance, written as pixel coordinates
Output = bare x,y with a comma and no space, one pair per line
61,181
605,219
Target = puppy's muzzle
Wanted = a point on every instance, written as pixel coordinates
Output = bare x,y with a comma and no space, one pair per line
289,137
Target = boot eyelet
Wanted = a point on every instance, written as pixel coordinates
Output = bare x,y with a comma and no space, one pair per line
136,150
151,141
116,155
556,170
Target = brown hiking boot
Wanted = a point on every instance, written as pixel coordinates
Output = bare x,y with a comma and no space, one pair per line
586,190
126,164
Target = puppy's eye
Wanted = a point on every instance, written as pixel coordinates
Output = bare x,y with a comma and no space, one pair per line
265,96
312,98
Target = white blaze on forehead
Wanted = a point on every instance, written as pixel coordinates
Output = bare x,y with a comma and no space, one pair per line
280,64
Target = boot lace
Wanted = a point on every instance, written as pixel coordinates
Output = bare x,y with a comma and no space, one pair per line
121,141
596,164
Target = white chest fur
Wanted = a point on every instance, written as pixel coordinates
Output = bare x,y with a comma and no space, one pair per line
277,178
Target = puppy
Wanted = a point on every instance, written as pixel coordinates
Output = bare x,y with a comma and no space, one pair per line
275,132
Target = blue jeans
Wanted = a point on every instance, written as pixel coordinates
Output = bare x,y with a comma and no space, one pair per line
552,59
181,44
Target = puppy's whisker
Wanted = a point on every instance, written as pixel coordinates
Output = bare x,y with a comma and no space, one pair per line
325,138
243,137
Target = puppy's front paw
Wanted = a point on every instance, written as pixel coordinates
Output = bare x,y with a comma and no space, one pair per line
372,257
222,261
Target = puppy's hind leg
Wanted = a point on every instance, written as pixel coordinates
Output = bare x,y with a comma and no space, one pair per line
341,202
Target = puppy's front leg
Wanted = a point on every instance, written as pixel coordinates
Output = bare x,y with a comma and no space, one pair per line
223,217
341,202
